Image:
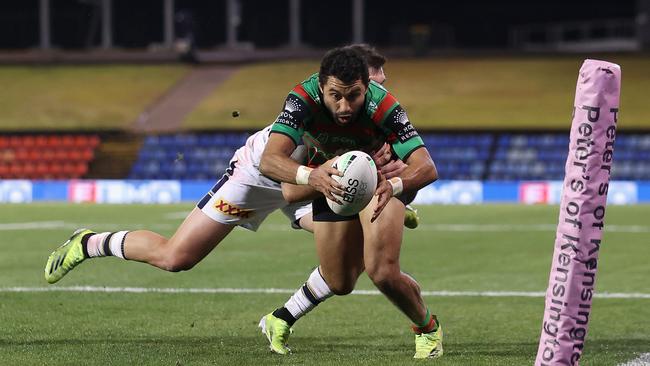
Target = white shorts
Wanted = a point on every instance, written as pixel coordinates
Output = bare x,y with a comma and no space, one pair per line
239,199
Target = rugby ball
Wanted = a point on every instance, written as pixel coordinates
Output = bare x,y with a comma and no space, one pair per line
359,182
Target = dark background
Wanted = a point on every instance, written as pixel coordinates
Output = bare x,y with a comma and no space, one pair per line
76,24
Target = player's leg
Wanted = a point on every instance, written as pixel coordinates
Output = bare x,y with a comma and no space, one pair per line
229,203
300,215
193,240
307,223
383,240
340,251
382,243
197,236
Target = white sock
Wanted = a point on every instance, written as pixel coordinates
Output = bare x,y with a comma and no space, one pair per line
312,293
105,244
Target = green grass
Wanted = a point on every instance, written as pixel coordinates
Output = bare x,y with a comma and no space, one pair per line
63,328
465,93
462,92
80,97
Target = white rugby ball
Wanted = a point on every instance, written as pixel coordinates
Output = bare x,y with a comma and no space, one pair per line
359,182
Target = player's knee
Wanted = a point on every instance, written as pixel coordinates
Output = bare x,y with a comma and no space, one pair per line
342,289
342,286
383,276
178,262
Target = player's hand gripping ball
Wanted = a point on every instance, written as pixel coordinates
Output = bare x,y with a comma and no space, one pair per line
359,182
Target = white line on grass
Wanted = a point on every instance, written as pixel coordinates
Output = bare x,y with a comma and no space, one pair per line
34,225
228,290
642,360
47,225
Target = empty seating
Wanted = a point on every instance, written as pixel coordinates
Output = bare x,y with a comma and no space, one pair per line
461,156
45,156
194,156
509,156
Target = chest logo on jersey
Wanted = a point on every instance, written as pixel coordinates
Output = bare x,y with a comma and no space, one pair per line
343,141
231,209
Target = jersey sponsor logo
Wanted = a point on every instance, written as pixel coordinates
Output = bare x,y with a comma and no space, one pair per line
285,118
293,113
399,122
291,106
402,118
231,209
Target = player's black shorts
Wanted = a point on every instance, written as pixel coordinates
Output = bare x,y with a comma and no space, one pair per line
323,213
407,197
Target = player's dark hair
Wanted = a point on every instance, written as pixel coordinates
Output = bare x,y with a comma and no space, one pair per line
373,58
345,64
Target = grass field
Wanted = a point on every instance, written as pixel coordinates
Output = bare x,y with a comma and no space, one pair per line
80,97
501,248
532,93
452,92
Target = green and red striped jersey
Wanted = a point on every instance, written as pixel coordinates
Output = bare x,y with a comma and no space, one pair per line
381,119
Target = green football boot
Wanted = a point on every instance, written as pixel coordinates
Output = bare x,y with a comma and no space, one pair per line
411,218
429,345
65,257
277,331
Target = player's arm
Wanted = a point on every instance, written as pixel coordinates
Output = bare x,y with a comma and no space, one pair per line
286,133
277,164
388,166
293,193
409,147
420,171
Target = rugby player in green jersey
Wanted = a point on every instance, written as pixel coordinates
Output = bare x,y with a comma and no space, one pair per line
335,111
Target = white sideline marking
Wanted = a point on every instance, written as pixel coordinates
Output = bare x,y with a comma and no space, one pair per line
35,225
642,360
228,290
527,227
46,225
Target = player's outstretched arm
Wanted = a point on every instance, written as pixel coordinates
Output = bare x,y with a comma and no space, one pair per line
388,168
276,164
293,193
420,171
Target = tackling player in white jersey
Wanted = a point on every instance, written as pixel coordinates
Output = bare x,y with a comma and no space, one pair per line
242,197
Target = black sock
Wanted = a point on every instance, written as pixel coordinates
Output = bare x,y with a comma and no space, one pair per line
84,244
285,315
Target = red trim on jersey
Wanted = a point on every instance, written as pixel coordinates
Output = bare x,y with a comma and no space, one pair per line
300,90
383,107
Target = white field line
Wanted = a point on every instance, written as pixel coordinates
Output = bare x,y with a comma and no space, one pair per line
34,225
228,290
49,225
642,360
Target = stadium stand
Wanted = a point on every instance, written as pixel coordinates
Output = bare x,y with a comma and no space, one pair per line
461,156
46,156
492,156
186,156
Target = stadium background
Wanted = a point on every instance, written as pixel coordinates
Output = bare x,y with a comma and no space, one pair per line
113,101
